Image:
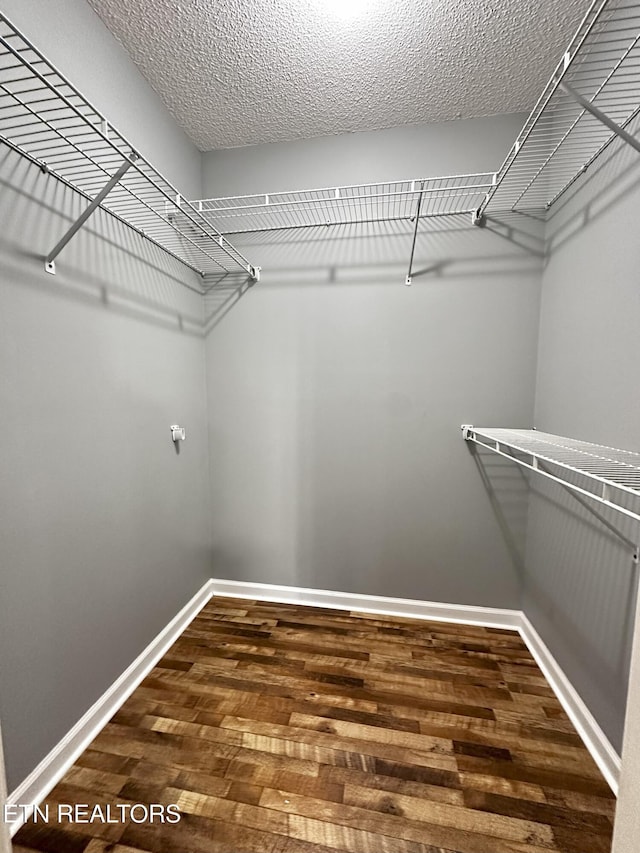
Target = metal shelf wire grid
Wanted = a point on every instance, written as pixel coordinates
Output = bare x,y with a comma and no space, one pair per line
609,470
46,119
561,139
398,200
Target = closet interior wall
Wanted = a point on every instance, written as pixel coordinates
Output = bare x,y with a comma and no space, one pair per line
104,530
336,393
580,582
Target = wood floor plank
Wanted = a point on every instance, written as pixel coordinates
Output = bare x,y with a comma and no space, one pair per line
404,829
287,729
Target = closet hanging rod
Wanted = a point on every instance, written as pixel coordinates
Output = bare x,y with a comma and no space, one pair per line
610,472
46,119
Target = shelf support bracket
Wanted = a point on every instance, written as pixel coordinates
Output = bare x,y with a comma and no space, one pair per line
594,512
49,263
415,234
603,117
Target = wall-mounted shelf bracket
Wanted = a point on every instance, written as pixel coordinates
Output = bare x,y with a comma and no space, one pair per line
635,549
590,107
608,474
407,281
478,218
254,272
49,263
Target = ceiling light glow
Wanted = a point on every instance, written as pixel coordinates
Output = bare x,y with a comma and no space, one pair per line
345,9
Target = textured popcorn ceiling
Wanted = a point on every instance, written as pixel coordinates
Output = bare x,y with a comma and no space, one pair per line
240,72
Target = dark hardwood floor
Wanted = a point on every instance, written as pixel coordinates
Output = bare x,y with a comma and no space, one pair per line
289,729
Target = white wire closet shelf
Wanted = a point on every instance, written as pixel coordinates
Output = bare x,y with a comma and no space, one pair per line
592,98
46,119
596,83
347,205
608,473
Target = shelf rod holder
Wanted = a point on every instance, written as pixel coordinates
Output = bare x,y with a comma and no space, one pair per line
603,117
49,263
415,235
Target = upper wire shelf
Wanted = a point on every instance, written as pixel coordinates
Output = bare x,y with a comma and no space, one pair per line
561,138
592,97
363,203
46,119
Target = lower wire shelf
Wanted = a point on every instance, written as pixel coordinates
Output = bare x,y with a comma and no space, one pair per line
608,475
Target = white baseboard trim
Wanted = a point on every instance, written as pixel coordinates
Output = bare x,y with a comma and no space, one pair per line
602,752
487,617
50,770
594,738
54,765
5,838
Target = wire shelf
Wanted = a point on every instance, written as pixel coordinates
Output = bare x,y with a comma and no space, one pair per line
561,139
46,119
363,203
610,472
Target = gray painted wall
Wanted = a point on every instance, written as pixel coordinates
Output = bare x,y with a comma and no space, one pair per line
336,394
580,584
410,151
104,530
